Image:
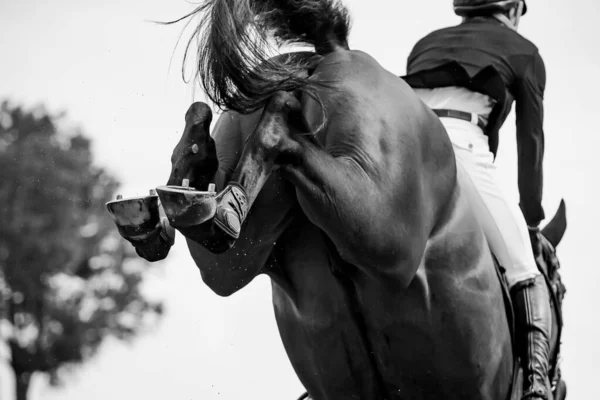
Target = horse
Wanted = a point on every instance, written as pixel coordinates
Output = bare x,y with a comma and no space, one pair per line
273,212
336,181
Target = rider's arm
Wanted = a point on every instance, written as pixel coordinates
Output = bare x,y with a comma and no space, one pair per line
529,93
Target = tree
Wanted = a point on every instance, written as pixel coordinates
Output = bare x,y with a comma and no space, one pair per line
67,280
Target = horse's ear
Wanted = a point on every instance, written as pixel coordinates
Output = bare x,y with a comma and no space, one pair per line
555,229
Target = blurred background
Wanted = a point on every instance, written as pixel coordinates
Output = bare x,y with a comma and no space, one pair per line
92,104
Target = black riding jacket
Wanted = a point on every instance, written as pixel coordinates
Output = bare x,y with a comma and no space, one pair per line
485,56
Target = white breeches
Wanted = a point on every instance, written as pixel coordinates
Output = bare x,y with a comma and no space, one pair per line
502,221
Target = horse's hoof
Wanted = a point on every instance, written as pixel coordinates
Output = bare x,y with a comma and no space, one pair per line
199,114
186,207
135,217
154,250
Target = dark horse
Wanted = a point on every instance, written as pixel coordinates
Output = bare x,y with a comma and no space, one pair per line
337,182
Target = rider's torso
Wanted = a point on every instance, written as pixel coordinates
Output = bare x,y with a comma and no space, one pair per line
480,54
475,44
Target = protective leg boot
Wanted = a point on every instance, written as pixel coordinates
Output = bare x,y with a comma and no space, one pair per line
533,322
232,209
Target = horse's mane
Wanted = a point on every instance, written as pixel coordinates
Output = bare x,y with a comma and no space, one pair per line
236,41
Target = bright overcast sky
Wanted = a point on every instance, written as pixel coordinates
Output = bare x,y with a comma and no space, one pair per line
108,68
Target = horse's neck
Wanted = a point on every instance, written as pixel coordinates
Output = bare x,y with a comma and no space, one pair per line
329,43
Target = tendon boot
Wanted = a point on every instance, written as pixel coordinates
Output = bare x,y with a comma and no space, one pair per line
232,209
533,322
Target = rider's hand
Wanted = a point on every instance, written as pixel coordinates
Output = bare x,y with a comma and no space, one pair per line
535,237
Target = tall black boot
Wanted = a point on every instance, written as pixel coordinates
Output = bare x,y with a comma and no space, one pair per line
534,323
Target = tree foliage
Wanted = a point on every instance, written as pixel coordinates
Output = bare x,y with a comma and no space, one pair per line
67,280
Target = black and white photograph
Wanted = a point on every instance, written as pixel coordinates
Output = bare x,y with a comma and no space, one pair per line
299,200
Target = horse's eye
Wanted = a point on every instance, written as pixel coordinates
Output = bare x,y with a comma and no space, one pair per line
195,149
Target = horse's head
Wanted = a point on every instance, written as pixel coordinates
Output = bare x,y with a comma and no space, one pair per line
549,265
552,234
195,157
555,229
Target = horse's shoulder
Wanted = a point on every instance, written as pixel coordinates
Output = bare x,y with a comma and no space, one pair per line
349,59
361,83
349,69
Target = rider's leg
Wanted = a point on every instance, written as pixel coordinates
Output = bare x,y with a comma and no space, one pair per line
534,319
506,231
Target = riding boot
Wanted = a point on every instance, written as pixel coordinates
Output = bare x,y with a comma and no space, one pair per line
533,326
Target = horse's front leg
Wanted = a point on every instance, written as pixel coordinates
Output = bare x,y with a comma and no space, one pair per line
157,244
269,145
225,269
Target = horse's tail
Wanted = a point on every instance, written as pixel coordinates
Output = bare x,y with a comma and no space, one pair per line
234,65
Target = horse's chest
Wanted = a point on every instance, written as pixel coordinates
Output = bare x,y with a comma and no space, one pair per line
333,330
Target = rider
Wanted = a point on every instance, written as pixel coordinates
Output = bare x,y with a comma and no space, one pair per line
469,75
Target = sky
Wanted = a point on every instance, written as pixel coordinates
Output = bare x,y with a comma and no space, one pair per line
119,78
